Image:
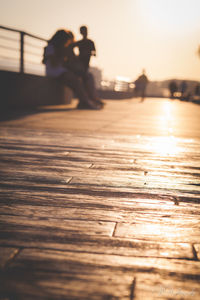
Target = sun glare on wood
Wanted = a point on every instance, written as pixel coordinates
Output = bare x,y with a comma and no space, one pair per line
168,144
165,146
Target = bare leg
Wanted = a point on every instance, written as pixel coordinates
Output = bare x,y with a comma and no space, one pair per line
89,83
70,79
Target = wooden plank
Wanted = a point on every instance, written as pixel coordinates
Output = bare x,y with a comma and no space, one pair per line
87,283
135,202
72,227
62,259
81,275
156,230
145,180
160,286
138,199
57,240
134,185
104,211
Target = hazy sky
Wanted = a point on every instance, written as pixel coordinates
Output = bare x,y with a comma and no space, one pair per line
161,36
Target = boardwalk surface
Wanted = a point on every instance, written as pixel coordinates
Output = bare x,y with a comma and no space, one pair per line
101,204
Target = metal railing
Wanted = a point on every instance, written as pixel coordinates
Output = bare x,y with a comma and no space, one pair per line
19,52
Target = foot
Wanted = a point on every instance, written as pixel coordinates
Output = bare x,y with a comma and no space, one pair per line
88,105
99,102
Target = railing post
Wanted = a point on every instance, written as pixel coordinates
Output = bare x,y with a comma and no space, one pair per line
21,52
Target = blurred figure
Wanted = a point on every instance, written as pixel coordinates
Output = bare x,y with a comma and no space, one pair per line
141,84
197,90
183,89
172,88
196,93
86,48
57,55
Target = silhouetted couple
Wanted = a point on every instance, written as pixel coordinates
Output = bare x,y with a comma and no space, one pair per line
70,69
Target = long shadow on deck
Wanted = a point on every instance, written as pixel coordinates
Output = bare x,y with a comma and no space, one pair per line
15,114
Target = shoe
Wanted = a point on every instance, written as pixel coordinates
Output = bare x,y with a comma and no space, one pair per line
94,105
88,105
98,102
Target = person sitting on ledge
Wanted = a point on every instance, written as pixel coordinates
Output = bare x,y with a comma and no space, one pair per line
57,63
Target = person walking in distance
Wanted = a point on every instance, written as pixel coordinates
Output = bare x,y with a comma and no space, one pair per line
141,84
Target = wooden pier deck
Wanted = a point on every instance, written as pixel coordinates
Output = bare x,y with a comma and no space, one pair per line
101,204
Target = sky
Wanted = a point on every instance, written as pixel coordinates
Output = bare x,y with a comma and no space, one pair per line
160,36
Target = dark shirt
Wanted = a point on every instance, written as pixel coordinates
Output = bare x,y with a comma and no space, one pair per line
86,47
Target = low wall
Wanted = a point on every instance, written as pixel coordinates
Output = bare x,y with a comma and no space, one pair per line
26,90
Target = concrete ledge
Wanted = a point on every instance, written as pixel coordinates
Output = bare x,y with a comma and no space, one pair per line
26,90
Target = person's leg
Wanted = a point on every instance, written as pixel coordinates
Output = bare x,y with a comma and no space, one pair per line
71,80
143,92
89,83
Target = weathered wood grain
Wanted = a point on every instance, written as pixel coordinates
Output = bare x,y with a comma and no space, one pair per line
103,212
73,227
97,205
88,272
28,234
173,231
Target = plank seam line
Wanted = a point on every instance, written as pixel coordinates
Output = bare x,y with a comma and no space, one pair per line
99,252
194,252
12,257
58,218
68,181
114,230
132,289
